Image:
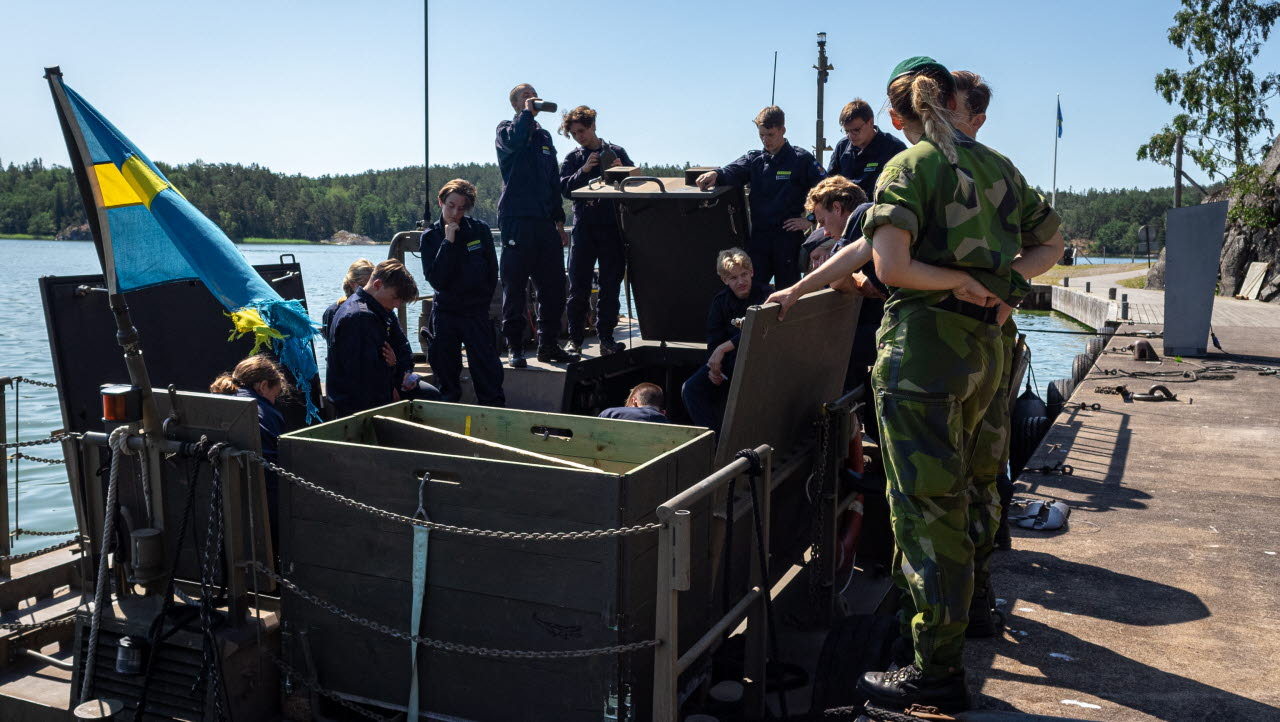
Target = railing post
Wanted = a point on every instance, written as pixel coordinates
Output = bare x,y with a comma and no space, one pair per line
666,694
757,652
6,544
1124,307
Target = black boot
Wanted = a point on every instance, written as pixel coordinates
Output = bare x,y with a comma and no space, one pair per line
904,687
554,355
609,346
575,347
517,355
1004,540
984,619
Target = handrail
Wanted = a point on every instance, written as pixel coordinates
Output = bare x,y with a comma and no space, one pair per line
674,576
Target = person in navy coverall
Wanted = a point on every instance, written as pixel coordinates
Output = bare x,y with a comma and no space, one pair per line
865,149
258,377
460,263
370,361
705,392
531,218
779,176
644,403
595,232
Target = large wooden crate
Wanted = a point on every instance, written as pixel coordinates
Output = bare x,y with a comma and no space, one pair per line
495,469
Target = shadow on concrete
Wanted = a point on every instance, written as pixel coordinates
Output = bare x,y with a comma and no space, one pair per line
1069,587
1104,675
1095,486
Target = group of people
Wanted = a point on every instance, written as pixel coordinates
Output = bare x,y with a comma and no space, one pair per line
939,237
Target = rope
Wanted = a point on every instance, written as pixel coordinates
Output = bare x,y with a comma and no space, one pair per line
118,449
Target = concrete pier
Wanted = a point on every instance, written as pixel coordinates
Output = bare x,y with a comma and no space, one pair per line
1159,601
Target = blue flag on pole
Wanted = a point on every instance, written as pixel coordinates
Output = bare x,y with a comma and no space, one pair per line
151,234
1059,117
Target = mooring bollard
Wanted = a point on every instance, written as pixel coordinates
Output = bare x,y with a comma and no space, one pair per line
1124,307
1111,293
1088,287
1066,281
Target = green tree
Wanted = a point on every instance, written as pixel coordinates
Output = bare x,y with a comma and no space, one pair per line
1224,101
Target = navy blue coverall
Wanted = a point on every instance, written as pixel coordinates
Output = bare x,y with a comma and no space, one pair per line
703,400
358,378
635,413
863,166
595,238
779,185
270,426
463,274
528,211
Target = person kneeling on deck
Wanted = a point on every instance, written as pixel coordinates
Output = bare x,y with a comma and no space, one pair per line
460,263
706,391
644,403
259,378
370,361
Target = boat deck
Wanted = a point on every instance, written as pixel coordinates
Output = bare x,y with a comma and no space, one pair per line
1159,600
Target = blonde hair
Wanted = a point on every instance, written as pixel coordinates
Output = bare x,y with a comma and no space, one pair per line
923,98
357,276
728,259
248,374
835,189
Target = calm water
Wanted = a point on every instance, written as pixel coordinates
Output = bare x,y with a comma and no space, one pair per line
42,501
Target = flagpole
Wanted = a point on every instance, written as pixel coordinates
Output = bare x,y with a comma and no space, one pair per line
126,333
1057,133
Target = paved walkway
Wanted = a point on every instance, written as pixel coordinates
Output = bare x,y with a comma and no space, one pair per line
1148,306
1159,600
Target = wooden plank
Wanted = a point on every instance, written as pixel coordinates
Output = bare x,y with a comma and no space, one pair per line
469,686
592,438
411,435
1253,278
786,370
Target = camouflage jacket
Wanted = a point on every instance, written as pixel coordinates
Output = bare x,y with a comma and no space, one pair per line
976,220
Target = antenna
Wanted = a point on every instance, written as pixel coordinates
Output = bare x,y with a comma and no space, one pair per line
774,92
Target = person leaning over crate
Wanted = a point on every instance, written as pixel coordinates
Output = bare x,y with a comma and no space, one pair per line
705,392
460,263
779,175
644,403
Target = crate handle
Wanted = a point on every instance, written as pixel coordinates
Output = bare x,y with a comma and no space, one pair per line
547,432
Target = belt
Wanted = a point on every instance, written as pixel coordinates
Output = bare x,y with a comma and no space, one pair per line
985,314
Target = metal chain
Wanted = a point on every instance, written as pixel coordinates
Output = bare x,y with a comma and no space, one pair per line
33,382
447,528
38,552
817,524
38,442
448,646
28,457
16,627
1116,390
29,532
314,685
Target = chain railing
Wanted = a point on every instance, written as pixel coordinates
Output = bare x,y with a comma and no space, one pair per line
33,554
448,528
442,645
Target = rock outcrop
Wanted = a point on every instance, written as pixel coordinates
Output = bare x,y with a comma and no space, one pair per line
347,238
75,233
1242,244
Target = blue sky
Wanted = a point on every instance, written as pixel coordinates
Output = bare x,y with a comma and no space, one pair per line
337,87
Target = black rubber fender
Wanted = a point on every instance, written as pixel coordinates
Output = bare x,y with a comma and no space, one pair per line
1059,391
1080,367
1024,440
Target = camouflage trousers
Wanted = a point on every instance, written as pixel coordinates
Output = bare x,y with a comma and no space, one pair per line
991,456
935,376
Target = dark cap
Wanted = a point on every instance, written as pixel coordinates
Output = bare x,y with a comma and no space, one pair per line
911,66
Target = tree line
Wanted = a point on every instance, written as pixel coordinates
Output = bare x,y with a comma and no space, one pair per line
255,202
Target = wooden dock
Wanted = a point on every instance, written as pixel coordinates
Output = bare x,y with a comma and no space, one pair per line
1159,601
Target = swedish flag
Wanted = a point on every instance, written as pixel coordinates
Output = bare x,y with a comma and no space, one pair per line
149,234
1059,118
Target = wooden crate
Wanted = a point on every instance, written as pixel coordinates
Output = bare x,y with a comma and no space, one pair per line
490,469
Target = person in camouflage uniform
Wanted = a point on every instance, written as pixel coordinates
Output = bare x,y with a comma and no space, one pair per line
955,232
991,460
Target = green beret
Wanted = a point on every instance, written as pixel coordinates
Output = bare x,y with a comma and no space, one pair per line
911,66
